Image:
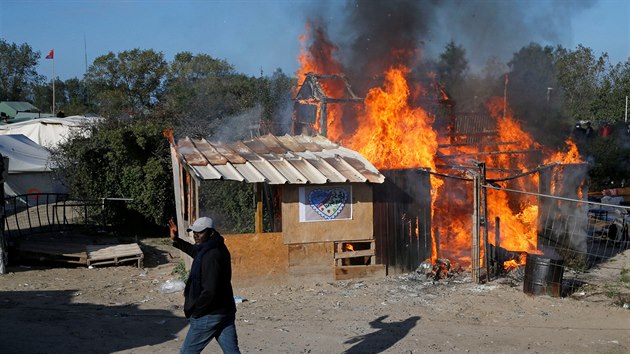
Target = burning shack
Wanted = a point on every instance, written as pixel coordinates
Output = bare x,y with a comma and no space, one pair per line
453,179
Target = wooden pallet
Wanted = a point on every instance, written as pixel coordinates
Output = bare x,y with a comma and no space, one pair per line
114,254
365,256
359,263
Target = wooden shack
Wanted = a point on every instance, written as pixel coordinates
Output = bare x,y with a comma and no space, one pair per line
326,230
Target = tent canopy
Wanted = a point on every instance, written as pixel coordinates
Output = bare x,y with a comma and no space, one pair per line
29,167
51,131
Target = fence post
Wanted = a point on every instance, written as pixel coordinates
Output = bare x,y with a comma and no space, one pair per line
484,218
497,239
3,246
476,220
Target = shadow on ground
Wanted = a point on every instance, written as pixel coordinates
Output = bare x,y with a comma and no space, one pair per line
385,337
48,322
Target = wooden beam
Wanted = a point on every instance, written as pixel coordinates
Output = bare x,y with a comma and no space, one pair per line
490,153
489,143
258,224
352,254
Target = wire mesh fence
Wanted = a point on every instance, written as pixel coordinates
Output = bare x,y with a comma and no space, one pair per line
584,233
573,235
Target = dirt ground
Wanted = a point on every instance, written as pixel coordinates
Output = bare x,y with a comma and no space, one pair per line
120,309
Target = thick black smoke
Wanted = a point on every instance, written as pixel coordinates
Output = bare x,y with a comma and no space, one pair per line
374,34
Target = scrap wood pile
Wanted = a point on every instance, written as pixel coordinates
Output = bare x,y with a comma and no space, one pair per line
622,193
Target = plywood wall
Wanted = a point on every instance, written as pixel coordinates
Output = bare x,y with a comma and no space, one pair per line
360,227
257,258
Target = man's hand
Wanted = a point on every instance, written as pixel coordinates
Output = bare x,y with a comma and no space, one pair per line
172,228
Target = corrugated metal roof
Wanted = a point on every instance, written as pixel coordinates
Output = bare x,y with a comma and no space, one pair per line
273,159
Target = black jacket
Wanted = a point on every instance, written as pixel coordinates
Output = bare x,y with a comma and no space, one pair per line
217,296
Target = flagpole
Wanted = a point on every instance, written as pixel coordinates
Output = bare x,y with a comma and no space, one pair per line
53,84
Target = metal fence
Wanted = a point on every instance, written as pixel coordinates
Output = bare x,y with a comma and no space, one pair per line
584,233
50,212
572,237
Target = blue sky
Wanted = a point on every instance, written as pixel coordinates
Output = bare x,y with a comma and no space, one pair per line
264,35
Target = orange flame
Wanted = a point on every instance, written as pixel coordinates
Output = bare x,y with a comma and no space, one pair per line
168,134
571,156
317,57
513,263
393,134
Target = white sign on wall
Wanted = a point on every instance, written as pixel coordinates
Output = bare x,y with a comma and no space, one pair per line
325,203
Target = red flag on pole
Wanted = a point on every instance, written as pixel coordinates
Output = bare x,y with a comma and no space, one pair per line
51,54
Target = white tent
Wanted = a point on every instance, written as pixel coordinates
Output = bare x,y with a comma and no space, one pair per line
51,131
29,167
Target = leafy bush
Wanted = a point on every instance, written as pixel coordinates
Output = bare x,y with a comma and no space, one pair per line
122,160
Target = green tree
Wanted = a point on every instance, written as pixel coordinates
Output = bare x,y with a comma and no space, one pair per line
612,92
208,98
122,159
276,100
76,97
18,72
452,68
126,84
70,96
580,74
535,96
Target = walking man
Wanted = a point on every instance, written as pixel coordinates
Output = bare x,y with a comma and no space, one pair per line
209,298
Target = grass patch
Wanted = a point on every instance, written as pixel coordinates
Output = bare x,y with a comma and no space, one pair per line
625,276
181,271
619,291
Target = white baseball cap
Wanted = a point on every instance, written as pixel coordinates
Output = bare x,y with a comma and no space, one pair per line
201,224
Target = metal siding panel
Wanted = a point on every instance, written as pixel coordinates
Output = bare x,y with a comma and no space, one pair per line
193,157
229,172
307,143
207,172
324,143
402,219
229,154
269,171
361,164
345,169
279,160
309,171
242,149
209,152
250,173
361,168
257,146
324,167
291,144
289,172
273,144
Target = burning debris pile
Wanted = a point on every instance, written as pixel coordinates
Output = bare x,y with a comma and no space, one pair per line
441,269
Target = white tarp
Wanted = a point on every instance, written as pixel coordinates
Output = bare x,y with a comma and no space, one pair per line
51,131
29,167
